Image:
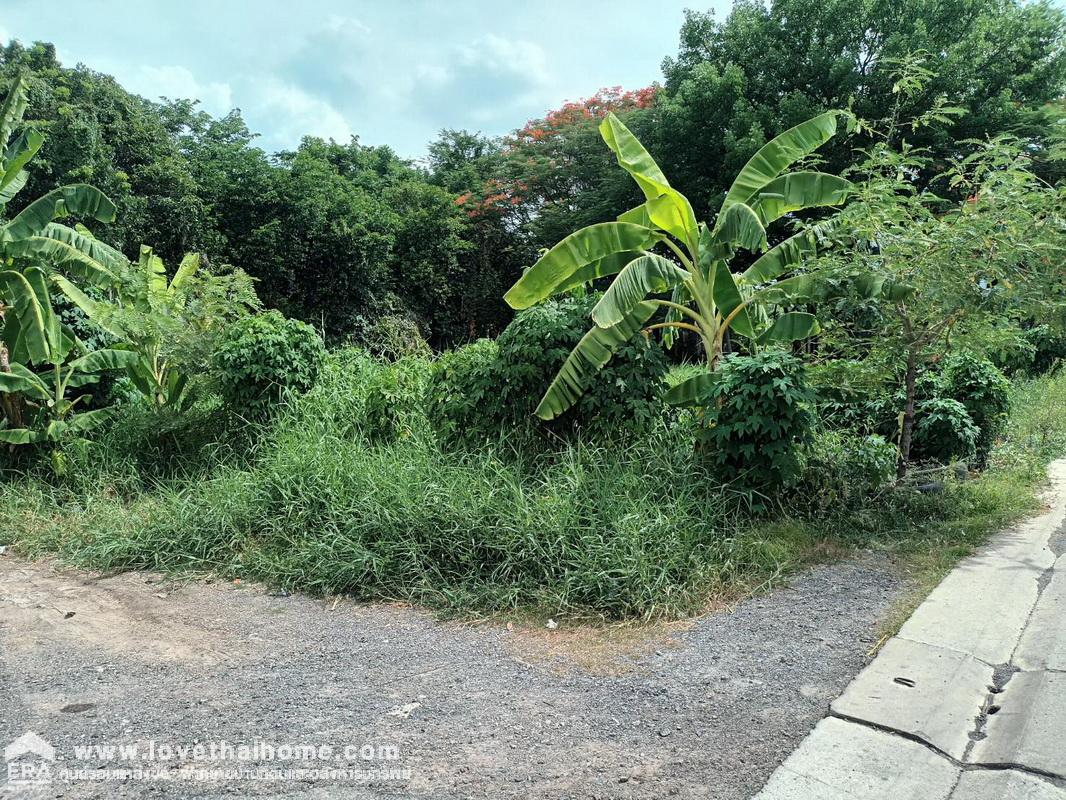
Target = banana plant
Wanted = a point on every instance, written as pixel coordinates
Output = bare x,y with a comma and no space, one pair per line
36,338
692,262
142,295
28,234
32,233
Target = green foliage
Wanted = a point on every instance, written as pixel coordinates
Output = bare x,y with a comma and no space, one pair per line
707,298
1049,349
765,66
757,420
263,358
1036,428
49,363
944,432
395,336
462,386
985,392
622,398
394,404
845,470
172,323
489,389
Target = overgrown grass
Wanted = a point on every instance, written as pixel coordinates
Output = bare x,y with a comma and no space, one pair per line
322,504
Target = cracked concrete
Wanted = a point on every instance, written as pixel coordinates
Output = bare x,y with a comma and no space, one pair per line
968,702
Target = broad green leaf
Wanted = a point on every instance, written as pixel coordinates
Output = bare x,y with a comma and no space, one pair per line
21,436
82,240
188,267
592,352
62,256
155,272
10,383
692,391
790,327
637,216
87,420
632,157
608,265
13,108
778,154
666,207
79,199
28,330
740,226
33,384
797,191
673,213
797,289
727,297
646,275
574,252
14,187
18,155
780,258
88,306
58,342
101,360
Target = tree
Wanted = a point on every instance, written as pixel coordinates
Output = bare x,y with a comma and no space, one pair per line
768,66
939,271
706,297
98,133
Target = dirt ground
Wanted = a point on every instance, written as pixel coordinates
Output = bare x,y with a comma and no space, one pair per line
411,706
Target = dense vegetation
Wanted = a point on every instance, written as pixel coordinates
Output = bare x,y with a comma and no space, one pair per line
809,292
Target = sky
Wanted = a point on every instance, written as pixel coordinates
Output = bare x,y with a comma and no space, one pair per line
389,71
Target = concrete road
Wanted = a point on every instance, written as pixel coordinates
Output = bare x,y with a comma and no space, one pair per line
968,702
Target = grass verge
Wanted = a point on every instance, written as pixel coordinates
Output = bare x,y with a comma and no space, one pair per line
621,532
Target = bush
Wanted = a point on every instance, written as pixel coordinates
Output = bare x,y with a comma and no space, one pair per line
757,420
395,398
624,397
985,392
463,383
1049,349
263,357
943,431
844,470
396,336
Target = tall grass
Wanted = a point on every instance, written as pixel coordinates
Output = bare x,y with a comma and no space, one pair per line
320,502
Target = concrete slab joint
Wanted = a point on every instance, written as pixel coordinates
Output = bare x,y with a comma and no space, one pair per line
968,702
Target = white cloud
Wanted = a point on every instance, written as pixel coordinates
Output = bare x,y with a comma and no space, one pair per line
4,35
294,113
178,82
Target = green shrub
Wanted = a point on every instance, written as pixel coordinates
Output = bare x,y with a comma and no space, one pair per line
844,470
263,357
464,382
1049,349
624,397
395,398
985,392
757,420
396,336
943,431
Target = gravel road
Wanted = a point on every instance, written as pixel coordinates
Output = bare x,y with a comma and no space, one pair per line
704,709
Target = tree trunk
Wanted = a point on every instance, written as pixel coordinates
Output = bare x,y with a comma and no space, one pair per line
907,430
